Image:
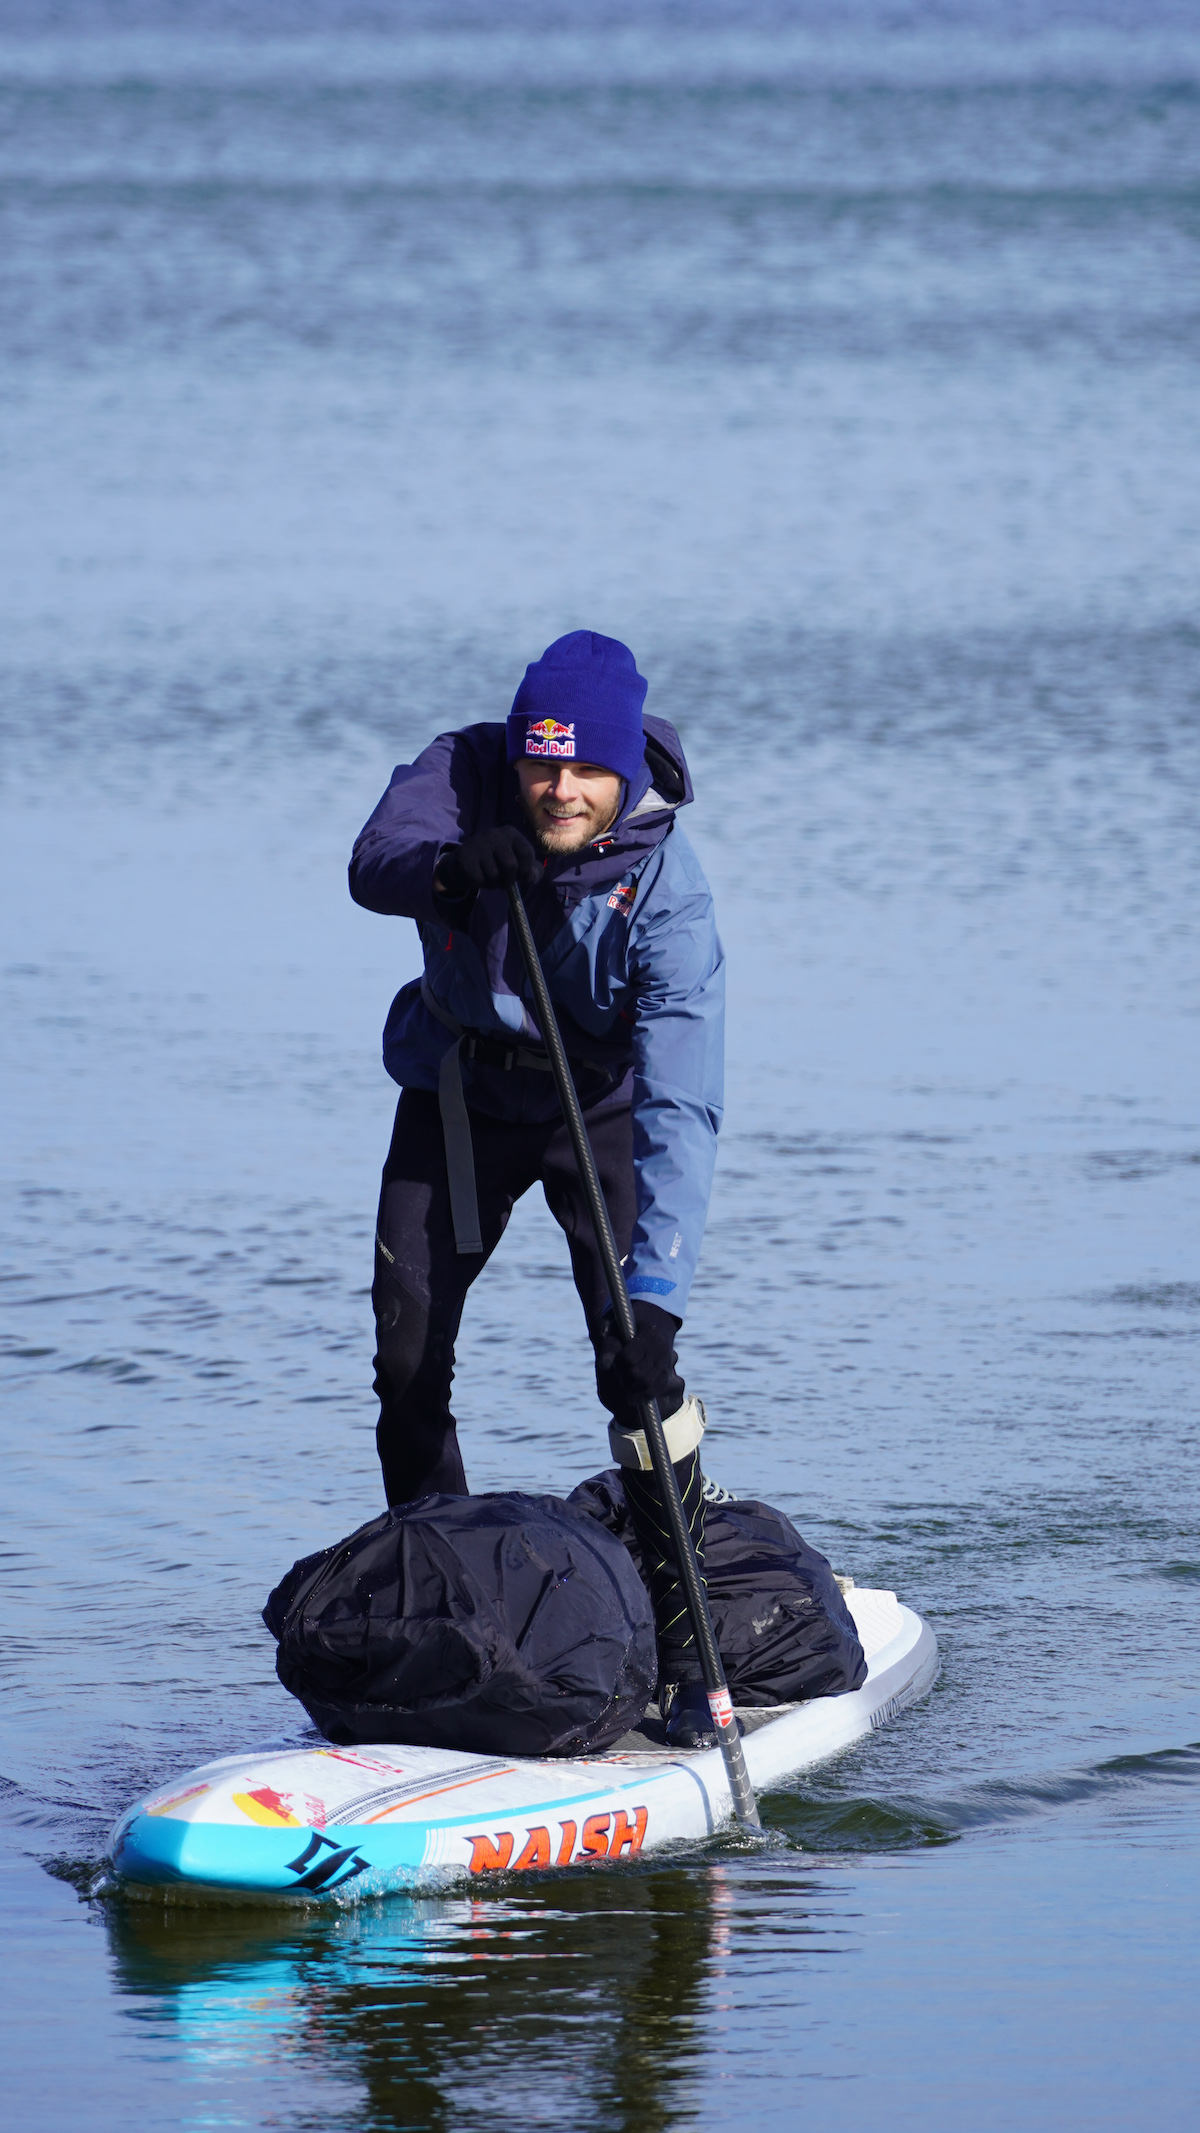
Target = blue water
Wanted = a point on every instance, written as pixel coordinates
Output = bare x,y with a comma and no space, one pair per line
846,364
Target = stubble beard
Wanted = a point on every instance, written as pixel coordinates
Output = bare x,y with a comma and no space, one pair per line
572,836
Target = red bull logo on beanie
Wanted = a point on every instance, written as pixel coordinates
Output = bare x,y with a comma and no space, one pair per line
548,736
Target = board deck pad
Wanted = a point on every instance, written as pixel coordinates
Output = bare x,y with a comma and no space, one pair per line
316,1821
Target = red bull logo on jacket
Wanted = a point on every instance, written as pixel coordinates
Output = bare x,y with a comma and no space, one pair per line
548,736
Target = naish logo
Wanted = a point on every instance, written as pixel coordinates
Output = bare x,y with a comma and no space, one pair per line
547,736
604,1836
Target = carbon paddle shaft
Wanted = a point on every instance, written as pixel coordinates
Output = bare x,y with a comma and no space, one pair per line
720,1702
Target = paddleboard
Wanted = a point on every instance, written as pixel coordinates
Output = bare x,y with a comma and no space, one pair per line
323,1821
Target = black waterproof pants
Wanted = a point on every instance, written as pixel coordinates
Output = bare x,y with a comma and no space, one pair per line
421,1281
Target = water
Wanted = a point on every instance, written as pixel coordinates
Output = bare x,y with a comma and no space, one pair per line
849,370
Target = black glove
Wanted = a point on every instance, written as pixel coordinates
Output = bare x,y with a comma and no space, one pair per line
643,1368
489,860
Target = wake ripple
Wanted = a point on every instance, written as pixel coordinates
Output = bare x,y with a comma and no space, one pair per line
906,1823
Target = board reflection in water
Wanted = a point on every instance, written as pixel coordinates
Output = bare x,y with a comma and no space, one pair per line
580,2000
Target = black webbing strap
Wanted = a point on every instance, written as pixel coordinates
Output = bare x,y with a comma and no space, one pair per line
456,1119
456,1131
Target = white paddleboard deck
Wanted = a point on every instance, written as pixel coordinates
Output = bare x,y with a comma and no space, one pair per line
372,1820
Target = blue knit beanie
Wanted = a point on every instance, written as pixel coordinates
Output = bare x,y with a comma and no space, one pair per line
581,701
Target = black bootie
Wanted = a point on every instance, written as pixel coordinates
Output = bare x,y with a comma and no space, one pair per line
689,1721
678,1659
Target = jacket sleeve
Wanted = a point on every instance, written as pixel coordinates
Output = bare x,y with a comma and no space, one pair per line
677,966
429,804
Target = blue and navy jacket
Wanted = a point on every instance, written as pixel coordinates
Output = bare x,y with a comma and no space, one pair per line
629,944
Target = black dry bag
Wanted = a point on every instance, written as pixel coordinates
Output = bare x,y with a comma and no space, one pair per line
784,1631
503,1625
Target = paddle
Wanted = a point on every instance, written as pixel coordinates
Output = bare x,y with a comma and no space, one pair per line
720,1703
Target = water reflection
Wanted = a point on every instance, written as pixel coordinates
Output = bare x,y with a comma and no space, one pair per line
581,2000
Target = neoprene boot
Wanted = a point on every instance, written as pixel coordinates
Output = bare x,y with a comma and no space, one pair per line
678,1659
684,1706
681,1694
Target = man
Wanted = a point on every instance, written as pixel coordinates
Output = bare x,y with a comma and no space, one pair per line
575,799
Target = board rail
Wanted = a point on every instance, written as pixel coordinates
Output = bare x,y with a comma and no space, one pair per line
317,1822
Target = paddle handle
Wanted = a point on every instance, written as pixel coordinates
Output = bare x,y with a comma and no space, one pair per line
720,1702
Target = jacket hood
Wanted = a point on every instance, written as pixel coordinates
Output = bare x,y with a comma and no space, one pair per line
664,774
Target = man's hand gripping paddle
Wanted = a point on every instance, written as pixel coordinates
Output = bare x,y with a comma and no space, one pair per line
720,1702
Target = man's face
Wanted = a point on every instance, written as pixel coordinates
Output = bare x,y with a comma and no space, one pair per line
569,804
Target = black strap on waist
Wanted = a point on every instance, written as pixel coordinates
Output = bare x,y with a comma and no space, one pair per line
490,1052
456,1120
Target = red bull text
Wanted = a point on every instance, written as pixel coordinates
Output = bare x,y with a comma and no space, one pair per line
548,737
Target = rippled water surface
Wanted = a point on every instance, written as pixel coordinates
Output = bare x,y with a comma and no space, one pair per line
847,367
